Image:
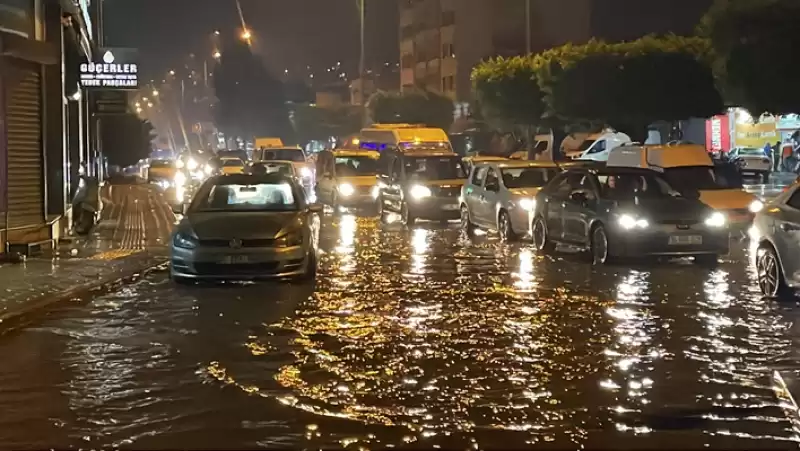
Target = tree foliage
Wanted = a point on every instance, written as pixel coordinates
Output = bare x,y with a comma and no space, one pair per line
508,93
318,123
126,139
629,85
251,100
754,43
414,106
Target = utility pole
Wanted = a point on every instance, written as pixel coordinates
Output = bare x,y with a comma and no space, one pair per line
527,27
362,73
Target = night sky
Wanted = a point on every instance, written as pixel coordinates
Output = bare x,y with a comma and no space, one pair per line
291,33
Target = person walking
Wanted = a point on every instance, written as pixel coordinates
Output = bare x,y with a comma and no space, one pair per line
776,156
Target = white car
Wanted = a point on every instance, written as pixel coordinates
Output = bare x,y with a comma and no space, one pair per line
303,167
751,161
776,230
500,196
599,149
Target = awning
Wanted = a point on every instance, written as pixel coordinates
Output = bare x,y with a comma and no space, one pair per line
15,46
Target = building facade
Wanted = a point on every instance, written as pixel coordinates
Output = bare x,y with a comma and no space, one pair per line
42,117
442,40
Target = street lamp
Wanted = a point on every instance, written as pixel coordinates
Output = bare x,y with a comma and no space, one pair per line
150,104
172,72
155,93
217,55
246,35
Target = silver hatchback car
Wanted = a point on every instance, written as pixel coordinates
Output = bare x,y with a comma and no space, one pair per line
776,232
246,227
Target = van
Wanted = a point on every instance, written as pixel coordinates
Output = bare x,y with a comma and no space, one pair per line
689,168
603,144
267,142
380,137
347,178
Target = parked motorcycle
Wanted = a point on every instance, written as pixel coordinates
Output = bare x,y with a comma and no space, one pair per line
86,205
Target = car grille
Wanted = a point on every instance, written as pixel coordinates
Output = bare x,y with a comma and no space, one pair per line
245,243
364,189
680,222
447,191
236,269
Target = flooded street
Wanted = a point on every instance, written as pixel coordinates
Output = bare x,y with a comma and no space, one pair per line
413,339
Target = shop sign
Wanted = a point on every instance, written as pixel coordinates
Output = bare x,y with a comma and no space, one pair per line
17,17
755,135
789,122
117,68
718,137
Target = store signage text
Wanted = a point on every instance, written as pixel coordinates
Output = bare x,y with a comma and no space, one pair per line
112,72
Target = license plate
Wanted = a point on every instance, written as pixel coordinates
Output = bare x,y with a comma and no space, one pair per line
450,207
685,239
234,259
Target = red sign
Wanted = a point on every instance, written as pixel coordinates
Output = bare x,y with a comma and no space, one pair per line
718,134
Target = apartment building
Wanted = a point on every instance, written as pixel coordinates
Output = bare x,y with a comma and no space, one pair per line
442,40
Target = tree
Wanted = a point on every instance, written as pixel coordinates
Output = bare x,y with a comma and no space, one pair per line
753,43
414,106
317,123
629,85
251,100
508,93
126,139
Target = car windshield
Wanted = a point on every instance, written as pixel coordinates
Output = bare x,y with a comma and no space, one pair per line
232,163
694,178
750,151
622,186
222,197
284,155
586,144
526,177
272,168
728,176
356,166
434,168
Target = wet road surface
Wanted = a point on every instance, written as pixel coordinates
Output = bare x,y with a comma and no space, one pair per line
412,339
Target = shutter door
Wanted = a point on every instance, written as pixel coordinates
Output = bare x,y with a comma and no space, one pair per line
24,137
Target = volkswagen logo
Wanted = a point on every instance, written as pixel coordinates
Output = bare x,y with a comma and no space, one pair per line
235,243
683,227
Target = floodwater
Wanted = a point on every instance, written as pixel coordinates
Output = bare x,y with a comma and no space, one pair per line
413,339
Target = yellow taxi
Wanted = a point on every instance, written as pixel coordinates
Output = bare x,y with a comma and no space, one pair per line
231,165
687,168
347,177
161,171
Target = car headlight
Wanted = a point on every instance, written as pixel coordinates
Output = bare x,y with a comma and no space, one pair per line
629,222
192,164
376,191
290,239
420,192
164,184
179,164
209,169
346,189
305,172
755,206
184,241
180,178
528,204
716,219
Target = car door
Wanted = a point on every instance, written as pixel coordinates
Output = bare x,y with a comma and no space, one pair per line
578,215
555,194
473,192
787,237
488,199
325,179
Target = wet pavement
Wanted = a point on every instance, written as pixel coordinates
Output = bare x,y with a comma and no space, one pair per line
413,339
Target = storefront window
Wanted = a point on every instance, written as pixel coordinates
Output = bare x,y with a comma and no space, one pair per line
17,17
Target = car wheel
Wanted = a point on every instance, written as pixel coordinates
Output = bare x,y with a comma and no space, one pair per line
505,228
310,270
770,274
706,260
599,246
466,225
541,240
765,178
408,218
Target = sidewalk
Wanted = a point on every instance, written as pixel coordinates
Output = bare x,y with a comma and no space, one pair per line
130,238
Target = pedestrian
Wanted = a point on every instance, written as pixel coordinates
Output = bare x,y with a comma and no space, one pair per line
776,156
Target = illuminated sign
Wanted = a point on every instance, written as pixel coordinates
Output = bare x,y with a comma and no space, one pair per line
117,69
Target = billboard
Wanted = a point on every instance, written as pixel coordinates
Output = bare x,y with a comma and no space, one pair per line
117,68
718,136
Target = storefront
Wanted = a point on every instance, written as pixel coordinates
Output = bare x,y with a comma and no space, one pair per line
737,128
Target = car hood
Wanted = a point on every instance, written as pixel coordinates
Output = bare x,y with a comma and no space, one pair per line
440,183
524,192
361,180
727,199
242,225
667,209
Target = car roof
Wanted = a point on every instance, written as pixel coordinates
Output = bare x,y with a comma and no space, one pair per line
614,170
354,153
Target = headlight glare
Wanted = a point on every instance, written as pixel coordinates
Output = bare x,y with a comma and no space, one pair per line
346,189
180,178
191,164
756,206
420,192
376,191
290,239
716,219
209,169
528,204
629,222
184,241
305,172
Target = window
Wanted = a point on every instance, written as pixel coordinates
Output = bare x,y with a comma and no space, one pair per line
566,184
407,60
433,168
407,32
599,146
449,83
237,197
232,163
478,174
285,155
794,200
448,50
626,186
491,178
356,166
526,177
448,18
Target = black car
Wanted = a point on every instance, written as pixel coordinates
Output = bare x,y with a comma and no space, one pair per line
626,212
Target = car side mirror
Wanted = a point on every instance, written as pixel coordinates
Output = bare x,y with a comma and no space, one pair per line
579,197
315,208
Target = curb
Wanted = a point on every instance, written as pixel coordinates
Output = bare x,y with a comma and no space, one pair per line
13,320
